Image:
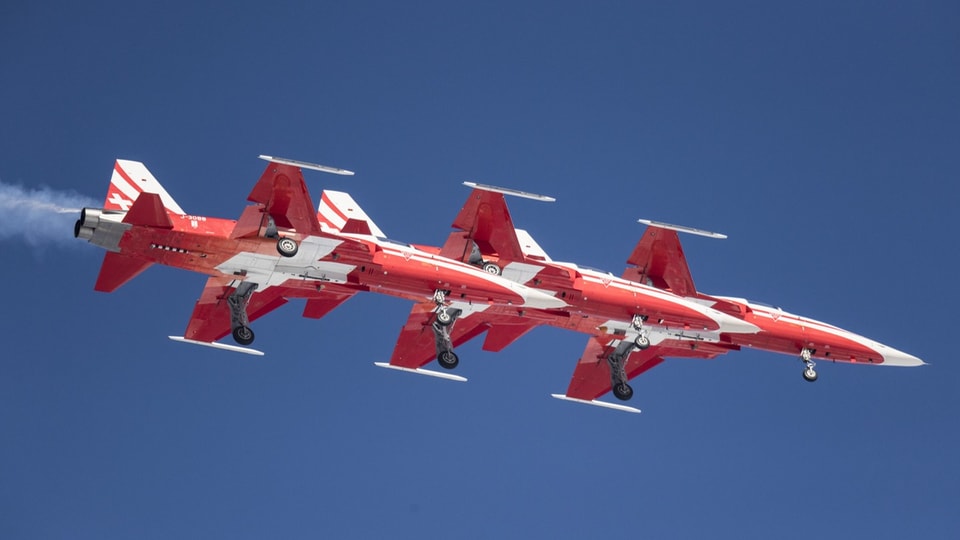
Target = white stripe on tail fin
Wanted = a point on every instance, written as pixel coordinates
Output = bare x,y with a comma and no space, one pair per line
531,249
129,180
339,211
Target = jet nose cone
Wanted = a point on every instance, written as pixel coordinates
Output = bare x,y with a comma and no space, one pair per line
893,357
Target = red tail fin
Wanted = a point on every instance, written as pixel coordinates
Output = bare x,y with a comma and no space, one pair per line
658,257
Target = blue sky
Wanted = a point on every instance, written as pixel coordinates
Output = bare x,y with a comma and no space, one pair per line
822,138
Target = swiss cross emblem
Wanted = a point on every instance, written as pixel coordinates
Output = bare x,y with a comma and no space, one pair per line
118,200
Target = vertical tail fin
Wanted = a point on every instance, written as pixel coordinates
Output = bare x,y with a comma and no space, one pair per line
129,180
658,258
339,211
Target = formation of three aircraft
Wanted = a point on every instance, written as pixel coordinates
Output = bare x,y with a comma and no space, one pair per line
488,277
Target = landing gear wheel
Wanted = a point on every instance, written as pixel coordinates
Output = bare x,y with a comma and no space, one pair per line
491,268
287,247
623,391
444,318
642,342
448,360
809,374
243,335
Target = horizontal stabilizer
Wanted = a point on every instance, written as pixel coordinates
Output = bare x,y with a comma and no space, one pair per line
420,371
215,345
604,404
118,269
501,335
148,211
327,302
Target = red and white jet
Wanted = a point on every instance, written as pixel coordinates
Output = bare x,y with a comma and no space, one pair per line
658,259
620,346
623,316
279,248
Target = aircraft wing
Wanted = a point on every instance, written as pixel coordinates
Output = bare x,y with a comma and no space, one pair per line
285,198
416,346
210,320
591,378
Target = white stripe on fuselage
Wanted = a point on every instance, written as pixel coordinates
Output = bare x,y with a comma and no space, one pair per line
269,270
414,254
796,320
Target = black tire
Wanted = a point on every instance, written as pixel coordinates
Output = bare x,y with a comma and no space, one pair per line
623,391
809,375
444,317
491,268
448,360
287,247
243,335
642,342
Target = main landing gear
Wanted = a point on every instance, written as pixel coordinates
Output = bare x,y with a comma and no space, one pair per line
442,326
491,268
809,373
618,359
287,247
476,259
239,322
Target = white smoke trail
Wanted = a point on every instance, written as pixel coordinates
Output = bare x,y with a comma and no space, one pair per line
39,216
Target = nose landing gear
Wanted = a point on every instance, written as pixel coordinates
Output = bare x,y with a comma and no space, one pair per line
809,373
642,341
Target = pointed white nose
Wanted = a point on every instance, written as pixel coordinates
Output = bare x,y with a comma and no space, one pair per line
893,357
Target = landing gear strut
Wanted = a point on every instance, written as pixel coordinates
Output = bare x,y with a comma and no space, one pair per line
442,326
642,341
618,373
443,313
239,322
618,359
809,373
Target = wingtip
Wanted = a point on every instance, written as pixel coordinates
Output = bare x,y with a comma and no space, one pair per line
682,228
215,345
421,371
307,165
596,403
508,191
